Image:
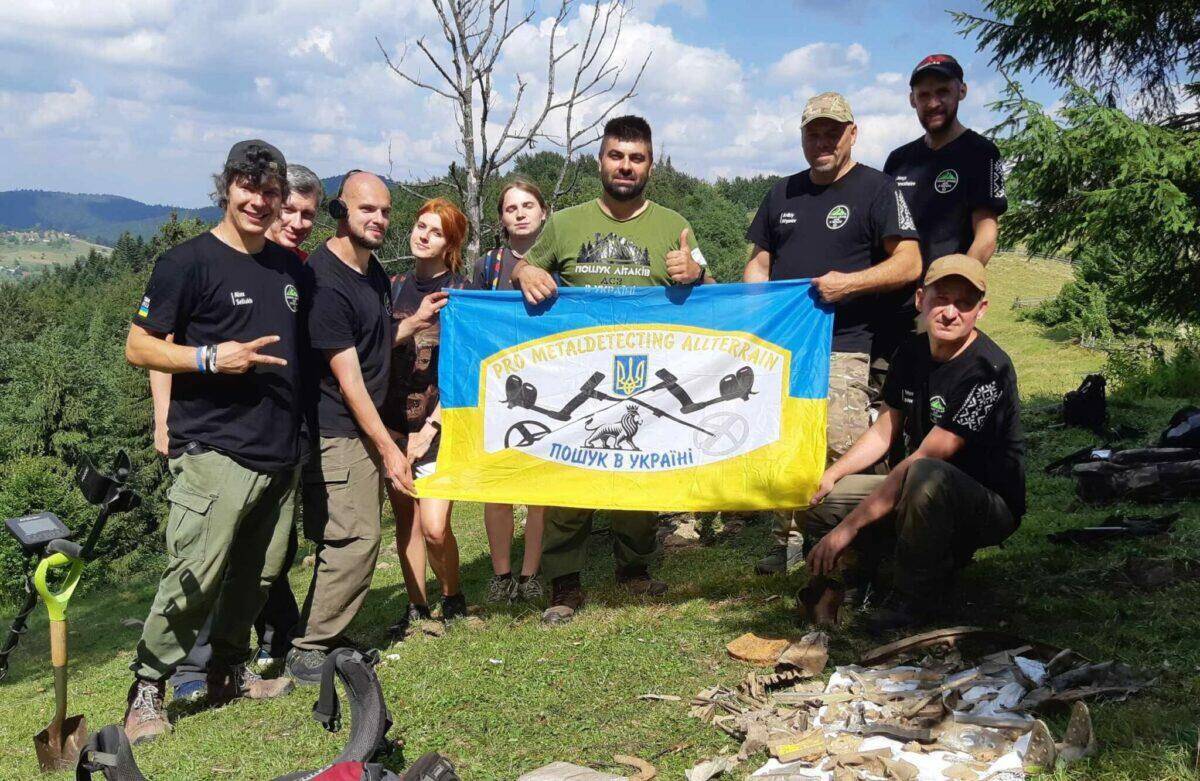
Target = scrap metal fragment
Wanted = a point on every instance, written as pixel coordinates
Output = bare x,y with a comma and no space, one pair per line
646,771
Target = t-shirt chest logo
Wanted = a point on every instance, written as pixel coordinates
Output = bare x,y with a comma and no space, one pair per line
291,297
838,216
946,181
787,218
239,298
937,408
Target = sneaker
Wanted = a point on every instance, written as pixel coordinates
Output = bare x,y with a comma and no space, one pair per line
226,684
190,692
501,588
781,560
566,597
639,583
304,666
454,607
264,664
530,589
145,716
414,615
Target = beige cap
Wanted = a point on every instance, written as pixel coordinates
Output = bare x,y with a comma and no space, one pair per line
963,266
829,105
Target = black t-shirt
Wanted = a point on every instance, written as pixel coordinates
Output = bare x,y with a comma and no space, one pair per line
974,395
413,390
349,310
205,293
811,229
494,270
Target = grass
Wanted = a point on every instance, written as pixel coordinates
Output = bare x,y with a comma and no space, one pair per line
37,254
505,695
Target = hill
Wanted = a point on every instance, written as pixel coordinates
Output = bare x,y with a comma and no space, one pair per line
102,218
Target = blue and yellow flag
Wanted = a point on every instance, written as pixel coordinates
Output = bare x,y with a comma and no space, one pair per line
668,399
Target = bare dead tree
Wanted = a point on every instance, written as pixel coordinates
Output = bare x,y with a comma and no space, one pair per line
475,33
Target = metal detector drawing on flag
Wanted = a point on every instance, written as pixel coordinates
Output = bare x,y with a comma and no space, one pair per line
739,385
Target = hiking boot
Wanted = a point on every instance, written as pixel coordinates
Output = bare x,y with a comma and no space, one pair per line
454,607
566,597
639,583
781,560
820,602
895,613
414,615
304,665
146,717
501,589
530,589
226,684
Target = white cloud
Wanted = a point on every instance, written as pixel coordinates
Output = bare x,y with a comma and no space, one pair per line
317,40
822,62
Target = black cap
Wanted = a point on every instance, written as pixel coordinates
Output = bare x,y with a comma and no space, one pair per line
252,152
941,64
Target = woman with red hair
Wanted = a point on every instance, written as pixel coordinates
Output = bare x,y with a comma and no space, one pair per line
413,411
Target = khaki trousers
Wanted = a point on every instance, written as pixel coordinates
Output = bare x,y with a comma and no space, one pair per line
343,497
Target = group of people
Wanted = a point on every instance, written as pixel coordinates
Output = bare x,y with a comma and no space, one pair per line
277,374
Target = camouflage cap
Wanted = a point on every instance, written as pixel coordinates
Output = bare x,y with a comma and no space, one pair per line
829,105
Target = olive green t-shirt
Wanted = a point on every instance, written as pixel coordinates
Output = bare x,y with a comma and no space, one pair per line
588,248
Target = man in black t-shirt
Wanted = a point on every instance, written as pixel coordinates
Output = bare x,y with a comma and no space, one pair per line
234,305
951,398
351,328
953,180
846,226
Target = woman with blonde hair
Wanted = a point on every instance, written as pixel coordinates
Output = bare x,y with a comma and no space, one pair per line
413,411
522,212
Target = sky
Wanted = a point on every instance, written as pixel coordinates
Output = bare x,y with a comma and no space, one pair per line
143,98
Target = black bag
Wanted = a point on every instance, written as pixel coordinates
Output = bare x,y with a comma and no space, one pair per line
1140,475
1183,430
1086,406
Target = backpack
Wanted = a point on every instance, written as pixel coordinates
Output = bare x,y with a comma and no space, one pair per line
492,263
1086,406
1183,430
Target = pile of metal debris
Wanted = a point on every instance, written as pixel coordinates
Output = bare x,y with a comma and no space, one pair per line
940,705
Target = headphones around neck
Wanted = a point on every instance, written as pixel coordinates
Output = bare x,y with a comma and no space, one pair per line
337,207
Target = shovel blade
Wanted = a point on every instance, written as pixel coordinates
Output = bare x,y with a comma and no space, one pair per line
59,744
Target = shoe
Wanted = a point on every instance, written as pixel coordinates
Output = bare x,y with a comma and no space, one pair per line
639,583
501,589
226,684
530,589
263,663
415,614
190,692
145,716
430,767
454,607
781,560
566,597
304,666
820,602
894,614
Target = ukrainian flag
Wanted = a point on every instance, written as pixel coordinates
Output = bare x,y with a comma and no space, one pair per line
650,398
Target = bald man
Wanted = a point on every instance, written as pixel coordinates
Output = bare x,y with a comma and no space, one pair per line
351,329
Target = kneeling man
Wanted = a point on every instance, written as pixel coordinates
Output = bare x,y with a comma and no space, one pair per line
952,396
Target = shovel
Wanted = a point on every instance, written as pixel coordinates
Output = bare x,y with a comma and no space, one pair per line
59,744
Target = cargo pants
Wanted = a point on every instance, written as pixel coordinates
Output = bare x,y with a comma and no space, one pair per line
848,417
227,541
942,517
564,540
343,498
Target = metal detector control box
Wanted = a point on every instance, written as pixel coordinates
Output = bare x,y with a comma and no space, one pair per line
35,531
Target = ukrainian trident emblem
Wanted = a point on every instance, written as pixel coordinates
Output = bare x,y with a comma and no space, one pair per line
629,374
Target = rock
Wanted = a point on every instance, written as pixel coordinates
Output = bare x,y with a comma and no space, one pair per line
565,771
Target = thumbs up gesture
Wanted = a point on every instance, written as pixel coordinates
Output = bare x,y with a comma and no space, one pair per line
680,266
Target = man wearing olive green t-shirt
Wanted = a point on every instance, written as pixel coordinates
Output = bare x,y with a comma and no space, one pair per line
620,240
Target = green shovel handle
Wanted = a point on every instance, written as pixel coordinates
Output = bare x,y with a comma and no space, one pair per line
56,603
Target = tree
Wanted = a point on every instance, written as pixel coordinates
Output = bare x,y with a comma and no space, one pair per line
475,33
1111,182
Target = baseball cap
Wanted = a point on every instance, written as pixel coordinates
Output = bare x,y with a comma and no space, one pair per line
829,105
251,151
963,266
941,64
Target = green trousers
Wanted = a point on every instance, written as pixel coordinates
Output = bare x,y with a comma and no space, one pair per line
942,517
227,541
564,541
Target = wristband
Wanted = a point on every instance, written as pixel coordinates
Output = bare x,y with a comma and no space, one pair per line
212,358
200,358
